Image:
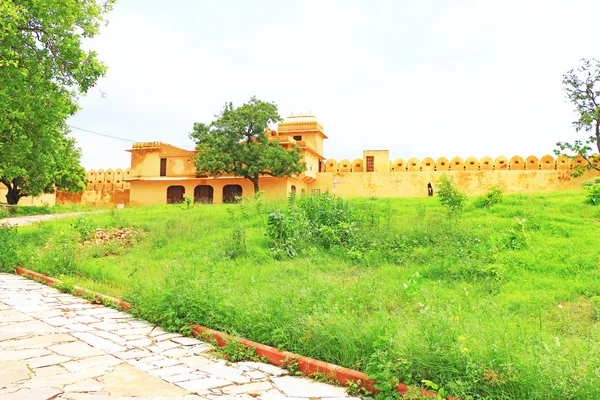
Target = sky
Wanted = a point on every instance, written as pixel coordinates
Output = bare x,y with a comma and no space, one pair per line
426,78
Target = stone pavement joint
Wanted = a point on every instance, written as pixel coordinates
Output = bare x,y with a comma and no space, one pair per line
57,346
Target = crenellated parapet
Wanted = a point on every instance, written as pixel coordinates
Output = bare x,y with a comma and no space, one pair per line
108,179
501,163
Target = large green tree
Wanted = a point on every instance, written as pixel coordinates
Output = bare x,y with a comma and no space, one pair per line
43,68
582,88
236,143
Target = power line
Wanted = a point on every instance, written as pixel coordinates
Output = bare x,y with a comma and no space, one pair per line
102,134
117,138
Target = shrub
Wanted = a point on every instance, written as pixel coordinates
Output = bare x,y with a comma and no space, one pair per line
451,196
592,191
84,228
492,196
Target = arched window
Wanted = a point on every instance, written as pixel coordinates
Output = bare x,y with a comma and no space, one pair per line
230,192
203,194
293,189
175,194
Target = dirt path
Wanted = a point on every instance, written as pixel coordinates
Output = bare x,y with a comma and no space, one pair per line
32,219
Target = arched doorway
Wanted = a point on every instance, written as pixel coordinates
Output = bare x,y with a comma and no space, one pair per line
203,194
230,192
175,194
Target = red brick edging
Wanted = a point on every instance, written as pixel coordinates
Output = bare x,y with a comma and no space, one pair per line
306,365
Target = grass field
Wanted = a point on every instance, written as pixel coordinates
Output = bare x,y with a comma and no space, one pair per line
499,302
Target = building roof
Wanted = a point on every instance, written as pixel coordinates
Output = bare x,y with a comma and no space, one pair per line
299,123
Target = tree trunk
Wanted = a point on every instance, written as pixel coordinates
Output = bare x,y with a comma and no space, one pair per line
13,195
254,180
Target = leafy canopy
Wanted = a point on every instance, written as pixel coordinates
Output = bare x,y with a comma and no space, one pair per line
236,143
43,68
582,88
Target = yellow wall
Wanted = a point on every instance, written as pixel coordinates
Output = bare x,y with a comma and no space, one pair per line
414,184
381,159
155,191
46,198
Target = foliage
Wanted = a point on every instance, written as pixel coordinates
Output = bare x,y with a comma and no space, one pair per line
502,305
492,197
451,196
236,143
592,191
43,67
8,247
84,228
188,201
582,88
320,219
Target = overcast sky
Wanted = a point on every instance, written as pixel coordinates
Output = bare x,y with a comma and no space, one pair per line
419,78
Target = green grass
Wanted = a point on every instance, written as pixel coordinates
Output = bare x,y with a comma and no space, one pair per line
498,302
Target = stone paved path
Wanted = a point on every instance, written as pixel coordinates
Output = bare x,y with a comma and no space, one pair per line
57,346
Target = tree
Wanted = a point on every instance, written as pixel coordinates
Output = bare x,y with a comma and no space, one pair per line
582,87
236,143
43,68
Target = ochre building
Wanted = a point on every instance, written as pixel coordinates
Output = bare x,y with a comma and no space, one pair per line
161,173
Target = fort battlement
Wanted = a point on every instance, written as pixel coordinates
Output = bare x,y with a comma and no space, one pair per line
515,163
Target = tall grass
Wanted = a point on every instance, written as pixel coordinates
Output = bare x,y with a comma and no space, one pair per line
499,302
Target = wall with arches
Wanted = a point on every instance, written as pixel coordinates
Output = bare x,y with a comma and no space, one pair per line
104,187
409,178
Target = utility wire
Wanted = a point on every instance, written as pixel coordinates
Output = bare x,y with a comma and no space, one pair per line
116,138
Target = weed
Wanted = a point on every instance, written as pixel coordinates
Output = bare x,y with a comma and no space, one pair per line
592,191
234,351
188,201
492,197
450,196
8,247
234,245
356,389
291,364
83,226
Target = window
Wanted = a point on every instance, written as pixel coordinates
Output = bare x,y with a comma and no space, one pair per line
370,163
203,194
293,189
297,137
163,167
315,192
175,194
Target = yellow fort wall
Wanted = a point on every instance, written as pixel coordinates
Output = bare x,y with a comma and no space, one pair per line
475,176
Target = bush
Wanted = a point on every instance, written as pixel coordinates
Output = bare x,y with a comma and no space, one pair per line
491,197
592,191
451,196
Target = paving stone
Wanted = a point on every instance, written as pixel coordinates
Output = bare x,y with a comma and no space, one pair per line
98,361
204,384
109,326
255,375
60,380
76,349
160,361
275,394
43,393
13,371
248,387
230,397
185,377
51,370
85,319
145,342
196,361
88,385
46,314
132,354
109,336
13,316
166,336
136,323
45,361
133,331
14,355
27,327
127,380
186,341
170,371
296,387
268,369
79,328
38,341
98,342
